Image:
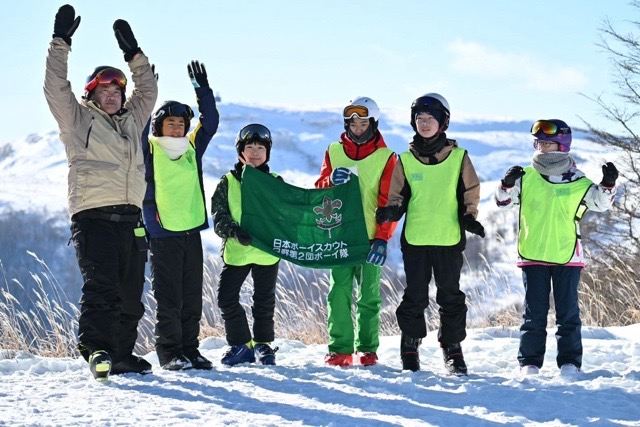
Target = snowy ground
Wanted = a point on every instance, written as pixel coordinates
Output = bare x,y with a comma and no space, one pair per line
302,391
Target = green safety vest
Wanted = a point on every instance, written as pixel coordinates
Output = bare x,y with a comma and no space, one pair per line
235,253
432,212
548,216
369,171
179,197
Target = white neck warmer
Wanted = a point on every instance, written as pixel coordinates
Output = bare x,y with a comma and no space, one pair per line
174,147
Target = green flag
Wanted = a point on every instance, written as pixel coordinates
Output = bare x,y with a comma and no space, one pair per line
321,228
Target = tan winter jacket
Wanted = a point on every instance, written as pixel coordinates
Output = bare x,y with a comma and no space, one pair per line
469,180
106,165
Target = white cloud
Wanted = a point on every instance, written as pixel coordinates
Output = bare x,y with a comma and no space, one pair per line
521,69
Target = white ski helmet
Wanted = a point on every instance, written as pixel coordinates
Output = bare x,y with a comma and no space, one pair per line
433,104
362,107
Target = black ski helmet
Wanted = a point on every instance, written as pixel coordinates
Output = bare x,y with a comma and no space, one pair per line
171,109
105,74
433,104
254,133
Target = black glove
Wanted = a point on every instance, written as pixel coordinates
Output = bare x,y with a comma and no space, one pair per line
511,176
609,175
197,74
66,23
472,226
243,237
388,213
153,70
126,40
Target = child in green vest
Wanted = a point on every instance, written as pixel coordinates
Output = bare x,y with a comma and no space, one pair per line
553,195
175,212
435,183
253,145
361,150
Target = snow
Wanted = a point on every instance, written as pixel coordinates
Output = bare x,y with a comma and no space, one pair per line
301,390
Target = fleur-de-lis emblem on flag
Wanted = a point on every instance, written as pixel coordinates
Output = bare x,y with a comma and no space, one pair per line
329,217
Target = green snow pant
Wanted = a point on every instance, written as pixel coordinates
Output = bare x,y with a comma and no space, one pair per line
368,301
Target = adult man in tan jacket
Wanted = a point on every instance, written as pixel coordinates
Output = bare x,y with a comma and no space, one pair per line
101,135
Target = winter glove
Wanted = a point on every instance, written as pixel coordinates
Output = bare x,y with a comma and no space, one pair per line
609,175
153,70
197,74
126,40
472,226
388,213
243,237
378,253
340,176
512,176
66,23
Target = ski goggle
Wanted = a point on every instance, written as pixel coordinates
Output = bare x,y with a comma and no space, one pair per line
176,109
107,76
548,128
359,111
254,132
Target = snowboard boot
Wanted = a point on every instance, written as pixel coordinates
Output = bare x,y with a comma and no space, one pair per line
237,354
131,364
178,363
368,358
409,353
100,365
265,354
198,361
338,359
453,359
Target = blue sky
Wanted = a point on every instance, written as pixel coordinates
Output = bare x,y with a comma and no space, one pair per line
490,59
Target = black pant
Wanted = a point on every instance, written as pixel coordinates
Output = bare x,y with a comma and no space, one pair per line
176,275
538,281
420,262
264,302
112,268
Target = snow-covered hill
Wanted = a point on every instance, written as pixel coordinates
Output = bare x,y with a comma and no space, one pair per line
302,391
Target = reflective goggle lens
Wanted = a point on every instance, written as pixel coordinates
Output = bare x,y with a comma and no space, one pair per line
544,126
107,76
359,111
255,133
179,110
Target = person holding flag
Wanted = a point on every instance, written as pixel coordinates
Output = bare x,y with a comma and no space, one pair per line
361,151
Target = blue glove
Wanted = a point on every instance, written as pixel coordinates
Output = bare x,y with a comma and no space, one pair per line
378,253
340,176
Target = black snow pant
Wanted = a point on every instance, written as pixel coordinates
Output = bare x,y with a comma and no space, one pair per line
264,302
111,261
176,275
444,263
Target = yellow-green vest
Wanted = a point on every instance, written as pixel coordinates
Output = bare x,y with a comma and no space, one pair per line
369,171
548,215
235,253
432,213
178,195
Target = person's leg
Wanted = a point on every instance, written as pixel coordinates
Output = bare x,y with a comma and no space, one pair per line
447,263
565,293
533,332
339,321
192,275
410,312
167,255
132,262
96,244
368,302
264,301
235,319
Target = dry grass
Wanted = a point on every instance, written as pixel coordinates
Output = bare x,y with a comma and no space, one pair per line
610,295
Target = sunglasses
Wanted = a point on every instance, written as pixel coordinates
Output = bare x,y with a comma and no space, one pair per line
254,132
359,111
107,76
548,128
